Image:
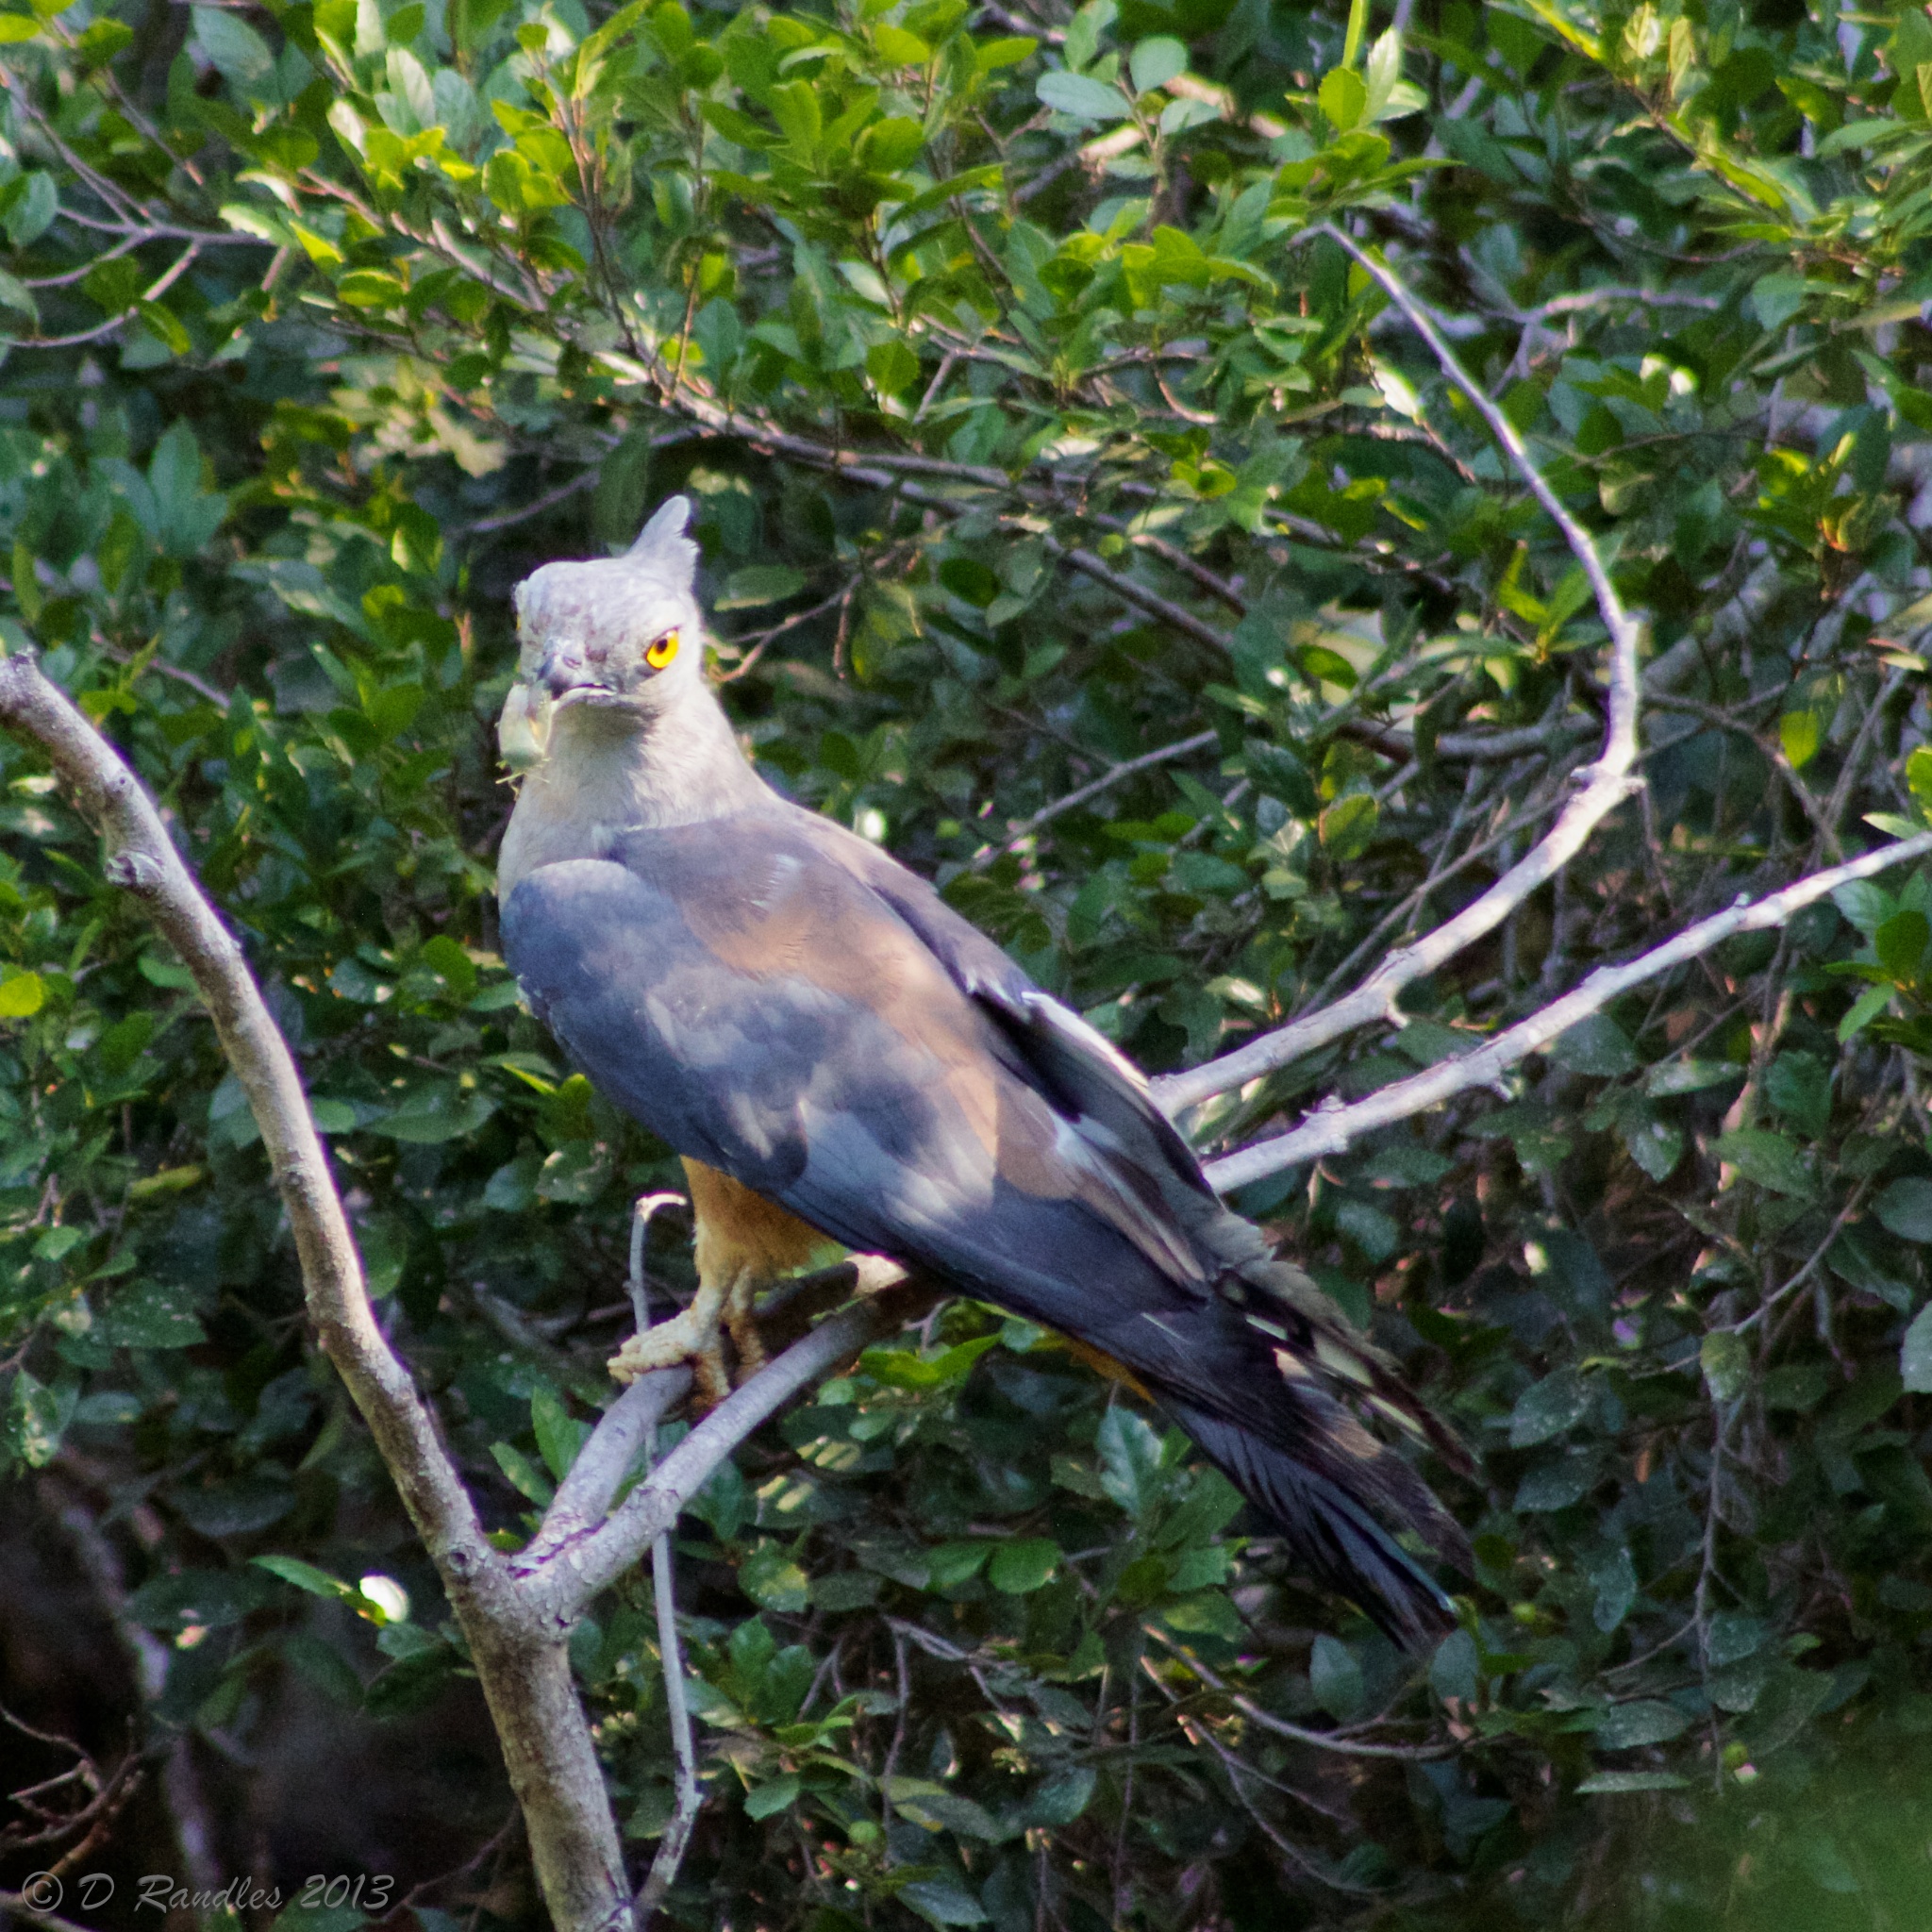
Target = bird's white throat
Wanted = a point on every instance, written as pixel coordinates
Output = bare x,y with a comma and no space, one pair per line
600,771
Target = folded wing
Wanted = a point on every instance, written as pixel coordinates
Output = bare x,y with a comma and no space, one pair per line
778,1000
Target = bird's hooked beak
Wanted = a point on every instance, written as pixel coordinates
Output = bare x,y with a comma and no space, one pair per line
564,667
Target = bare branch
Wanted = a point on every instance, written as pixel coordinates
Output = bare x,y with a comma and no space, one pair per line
155,291
585,479
689,1796
616,1445
1332,1129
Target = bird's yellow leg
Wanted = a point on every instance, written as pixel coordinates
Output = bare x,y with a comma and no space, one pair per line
738,1317
744,1243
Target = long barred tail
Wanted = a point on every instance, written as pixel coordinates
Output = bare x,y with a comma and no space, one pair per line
1331,1531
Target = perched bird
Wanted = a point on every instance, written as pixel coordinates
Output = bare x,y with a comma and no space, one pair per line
835,1052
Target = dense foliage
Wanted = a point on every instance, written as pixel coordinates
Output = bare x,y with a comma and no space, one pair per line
1083,526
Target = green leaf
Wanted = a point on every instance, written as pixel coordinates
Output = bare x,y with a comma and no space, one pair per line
514,1186
37,1417
739,127
1453,1670
1058,1801
1798,1085
1915,1353
22,995
1130,1460
31,212
1726,1359
898,48
1080,95
577,1172
1690,1076
1348,826
1919,777
903,1368
892,366
774,1580
233,46
1863,1011
1547,1408
524,1477
1334,1677
892,144
1900,942
758,584
1007,51
1615,1579
431,1115
943,1901
1732,1636
1656,1145
1018,1569
1801,734
1602,1783
1904,1209
970,580
559,1434
150,1314
779,1794
1554,1486
1766,1160
304,1576
1344,96
939,1809
1595,1045
1646,1720
1383,76
238,1506
1154,62
1373,1232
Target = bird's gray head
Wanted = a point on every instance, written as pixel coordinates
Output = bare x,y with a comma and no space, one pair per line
620,635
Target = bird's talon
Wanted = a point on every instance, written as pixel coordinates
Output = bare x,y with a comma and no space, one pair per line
688,1338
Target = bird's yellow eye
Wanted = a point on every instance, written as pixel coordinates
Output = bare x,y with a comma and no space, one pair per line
661,653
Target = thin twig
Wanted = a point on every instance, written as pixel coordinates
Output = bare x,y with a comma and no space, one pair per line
16,1905
1322,1740
1025,828
586,479
689,1794
837,600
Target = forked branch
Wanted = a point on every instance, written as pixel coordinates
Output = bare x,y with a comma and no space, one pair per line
1333,1130
515,1616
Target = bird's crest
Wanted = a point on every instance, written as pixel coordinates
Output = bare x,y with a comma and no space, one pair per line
664,546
